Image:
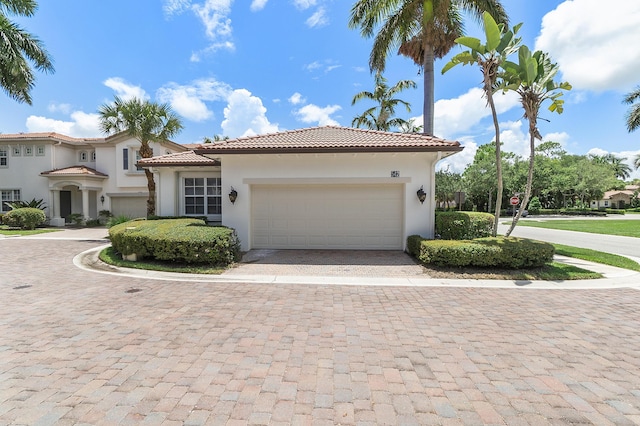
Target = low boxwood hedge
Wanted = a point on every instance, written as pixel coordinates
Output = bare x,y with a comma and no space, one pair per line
176,240
24,218
463,225
498,252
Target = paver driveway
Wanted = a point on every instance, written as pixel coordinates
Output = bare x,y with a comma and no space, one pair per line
78,347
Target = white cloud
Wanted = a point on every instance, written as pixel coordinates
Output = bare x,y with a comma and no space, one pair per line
214,14
188,101
455,116
82,125
258,5
326,66
63,108
318,19
125,90
458,162
245,115
304,4
297,99
174,7
315,114
594,44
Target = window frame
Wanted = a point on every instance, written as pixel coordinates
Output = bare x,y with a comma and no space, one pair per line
16,151
40,150
3,207
202,196
4,156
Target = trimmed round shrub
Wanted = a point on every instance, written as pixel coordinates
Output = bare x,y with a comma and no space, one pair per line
497,252
463,225
176,240
24,218
534,206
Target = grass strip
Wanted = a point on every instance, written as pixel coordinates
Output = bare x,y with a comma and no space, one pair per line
4,230
597,257
621,227
111,257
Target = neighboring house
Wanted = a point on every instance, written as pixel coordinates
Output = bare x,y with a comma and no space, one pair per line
321,188
75,175
616,199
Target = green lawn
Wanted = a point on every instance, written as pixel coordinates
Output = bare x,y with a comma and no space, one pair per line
5,231
597,257
622,227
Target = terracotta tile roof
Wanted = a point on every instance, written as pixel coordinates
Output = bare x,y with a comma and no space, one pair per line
330,139
47,136
191,145
187,158
75,171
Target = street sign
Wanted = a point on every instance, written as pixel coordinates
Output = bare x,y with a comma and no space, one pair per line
514,201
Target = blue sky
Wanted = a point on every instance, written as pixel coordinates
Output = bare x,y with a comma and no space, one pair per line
249,67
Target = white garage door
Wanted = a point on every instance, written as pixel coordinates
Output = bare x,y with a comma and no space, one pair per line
133,207
327,217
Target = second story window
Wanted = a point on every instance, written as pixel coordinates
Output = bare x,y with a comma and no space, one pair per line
93,156
83,156
4,162
40,150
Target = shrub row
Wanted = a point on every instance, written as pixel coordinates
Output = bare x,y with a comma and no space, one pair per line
499,252
24,218
463,225
176,240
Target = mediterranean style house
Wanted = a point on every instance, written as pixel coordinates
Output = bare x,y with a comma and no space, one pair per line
315,188
75,175
616,199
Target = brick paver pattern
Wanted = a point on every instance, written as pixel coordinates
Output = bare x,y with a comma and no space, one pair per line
78,347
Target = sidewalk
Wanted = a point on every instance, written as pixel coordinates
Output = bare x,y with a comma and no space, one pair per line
88,260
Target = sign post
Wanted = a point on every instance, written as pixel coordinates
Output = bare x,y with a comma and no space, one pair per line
514,201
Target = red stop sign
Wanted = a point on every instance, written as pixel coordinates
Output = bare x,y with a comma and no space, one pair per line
514,201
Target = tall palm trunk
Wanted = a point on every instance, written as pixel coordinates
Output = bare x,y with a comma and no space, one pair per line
496,126
428,78
533,132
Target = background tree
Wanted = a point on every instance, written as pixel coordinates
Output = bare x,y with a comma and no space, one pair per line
636,162
533,79
18,50
148,122
422,30
382,116
447,184
633,115
621,170
489,56
216,138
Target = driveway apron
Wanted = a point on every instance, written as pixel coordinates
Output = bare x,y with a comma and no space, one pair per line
79,347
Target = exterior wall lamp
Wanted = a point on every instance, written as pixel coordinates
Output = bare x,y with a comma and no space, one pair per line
102,199
233,195
421,195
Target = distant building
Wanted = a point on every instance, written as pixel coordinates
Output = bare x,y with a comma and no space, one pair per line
616,199
76,175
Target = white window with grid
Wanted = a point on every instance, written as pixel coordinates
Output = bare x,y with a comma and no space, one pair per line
8,196
203,196
4,160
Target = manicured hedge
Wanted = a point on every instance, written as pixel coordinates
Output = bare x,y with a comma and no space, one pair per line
177,240
25,218
498,252
463,225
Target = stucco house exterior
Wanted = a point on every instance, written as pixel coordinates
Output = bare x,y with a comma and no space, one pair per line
75,175
315,188
616,199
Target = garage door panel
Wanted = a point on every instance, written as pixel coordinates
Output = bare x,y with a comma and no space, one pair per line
327,216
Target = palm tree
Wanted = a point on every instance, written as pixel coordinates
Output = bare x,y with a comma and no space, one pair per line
636,162
621,170
216,138
18,50
422,30
500,43
532,78
633,115
380,117
146,121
